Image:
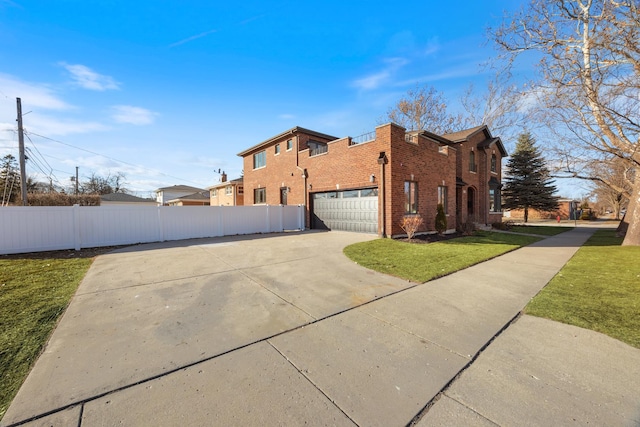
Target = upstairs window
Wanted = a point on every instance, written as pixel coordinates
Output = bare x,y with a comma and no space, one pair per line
472,161
240,189
277,149
316,148
289,144
260,160
228,190
494,163
214,193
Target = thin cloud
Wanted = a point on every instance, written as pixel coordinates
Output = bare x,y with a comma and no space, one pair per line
31,94
192,38
133,115
55,126
433,47
462,71
286,116
86,78
374,81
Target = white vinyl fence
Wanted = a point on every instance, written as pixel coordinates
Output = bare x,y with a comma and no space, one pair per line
36,228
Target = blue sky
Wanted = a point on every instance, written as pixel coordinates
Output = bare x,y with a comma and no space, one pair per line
169,92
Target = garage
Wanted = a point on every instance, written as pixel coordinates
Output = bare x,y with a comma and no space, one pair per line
348,210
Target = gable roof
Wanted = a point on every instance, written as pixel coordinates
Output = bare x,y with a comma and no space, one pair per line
289,132
200,195
181,188
236,181
466,134
463,135
122,197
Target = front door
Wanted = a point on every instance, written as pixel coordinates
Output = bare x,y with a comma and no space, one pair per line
283,195
471,196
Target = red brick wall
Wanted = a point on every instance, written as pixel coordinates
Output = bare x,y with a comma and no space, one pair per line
346,166
423,163
478,180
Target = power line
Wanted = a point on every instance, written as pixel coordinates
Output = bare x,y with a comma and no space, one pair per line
113,159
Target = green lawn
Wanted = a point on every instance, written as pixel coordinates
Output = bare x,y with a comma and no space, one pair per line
423,262
33,294
542,230
598,289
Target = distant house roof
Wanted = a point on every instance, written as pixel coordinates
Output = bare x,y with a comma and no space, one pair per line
225,183
122,197
181,188
290,132
195,197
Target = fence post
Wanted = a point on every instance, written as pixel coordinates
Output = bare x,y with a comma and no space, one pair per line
268,215
281,218
301,214
160,225
221,213
76,227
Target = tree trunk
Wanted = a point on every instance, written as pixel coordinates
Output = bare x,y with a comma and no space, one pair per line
526,214
632,217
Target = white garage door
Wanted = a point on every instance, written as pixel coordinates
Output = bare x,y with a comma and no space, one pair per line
349,210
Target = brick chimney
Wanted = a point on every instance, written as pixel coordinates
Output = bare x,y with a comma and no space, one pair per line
223,177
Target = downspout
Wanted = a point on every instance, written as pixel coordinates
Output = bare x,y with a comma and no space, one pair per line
382,160
305,175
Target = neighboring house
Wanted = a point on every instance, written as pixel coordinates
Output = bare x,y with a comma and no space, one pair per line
163,195
201,198
567,209
125,199
227,193
369,183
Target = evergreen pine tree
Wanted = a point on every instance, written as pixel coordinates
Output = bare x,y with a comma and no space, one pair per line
9,180
527,182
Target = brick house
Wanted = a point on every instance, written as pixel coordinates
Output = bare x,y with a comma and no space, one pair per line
479,175
227,193
370,182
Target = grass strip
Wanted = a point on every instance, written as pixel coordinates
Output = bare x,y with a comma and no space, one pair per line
33,295
424,262
598,289
542,230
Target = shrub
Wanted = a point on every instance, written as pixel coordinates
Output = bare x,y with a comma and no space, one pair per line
505,225
441,219
61,199
410,224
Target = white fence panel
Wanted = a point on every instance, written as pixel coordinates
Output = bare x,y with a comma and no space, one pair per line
244,219
292,218
33,229
111,225
189,222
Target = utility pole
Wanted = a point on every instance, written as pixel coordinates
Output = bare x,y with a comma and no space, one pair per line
23,171
76,180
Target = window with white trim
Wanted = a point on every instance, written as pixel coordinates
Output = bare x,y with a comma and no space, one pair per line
259,196
260,160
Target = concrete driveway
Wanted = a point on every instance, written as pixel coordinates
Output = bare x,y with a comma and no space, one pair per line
285,330
149,310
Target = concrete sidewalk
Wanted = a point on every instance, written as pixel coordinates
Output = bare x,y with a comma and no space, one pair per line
284,330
